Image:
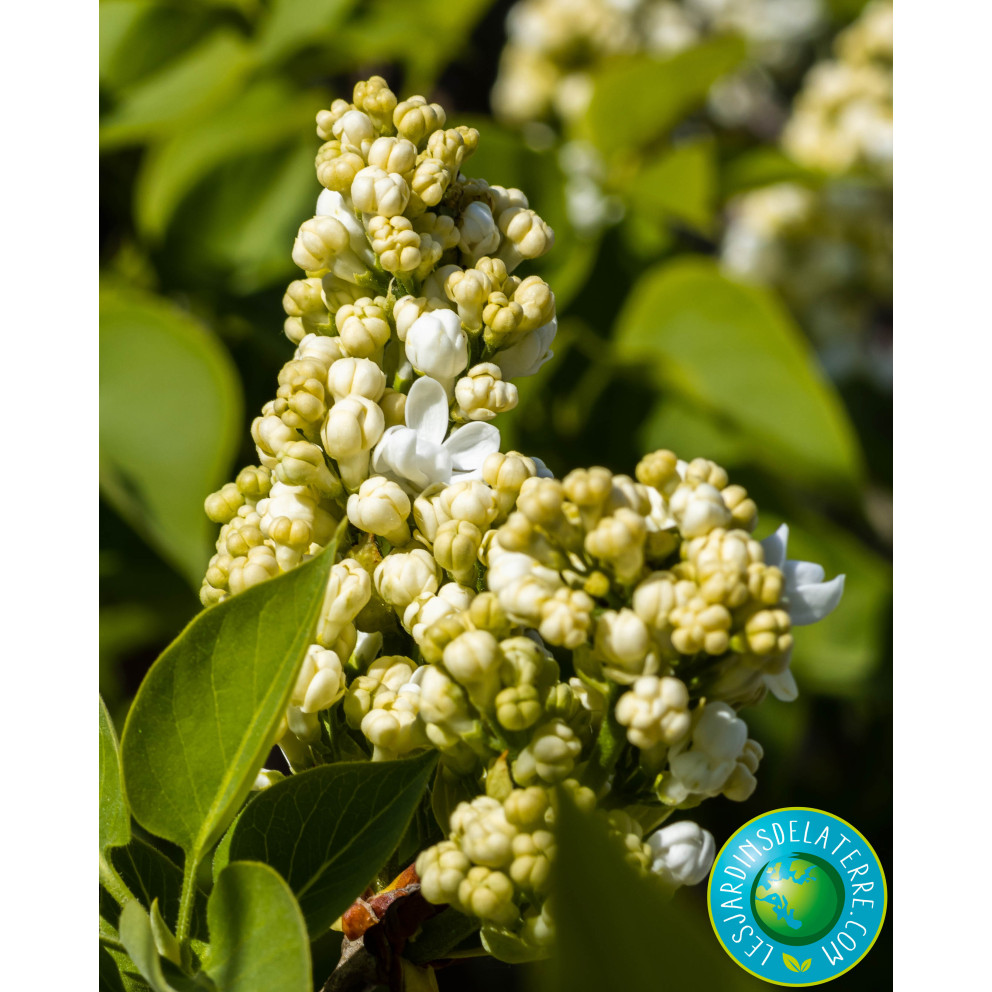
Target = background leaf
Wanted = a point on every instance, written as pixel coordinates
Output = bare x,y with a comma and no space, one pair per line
139,940
206,714
617,930
257,936
164,449
329,830
732,348
115,818
293,24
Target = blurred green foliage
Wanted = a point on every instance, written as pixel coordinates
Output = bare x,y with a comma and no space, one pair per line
207,148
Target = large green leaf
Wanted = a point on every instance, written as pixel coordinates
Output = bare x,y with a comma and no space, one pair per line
733,349
193,84
206,714
617,930
169,424
637,99
262,117
329,830
258,940
115,819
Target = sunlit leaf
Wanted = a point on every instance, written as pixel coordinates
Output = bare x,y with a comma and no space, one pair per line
170,419
329,830
732,348
191,85
258,939
292,24
206,714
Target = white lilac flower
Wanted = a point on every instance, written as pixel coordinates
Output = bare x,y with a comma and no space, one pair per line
683,853
529,353
417,455
809,598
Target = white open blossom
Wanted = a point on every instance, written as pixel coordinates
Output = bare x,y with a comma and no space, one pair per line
417,455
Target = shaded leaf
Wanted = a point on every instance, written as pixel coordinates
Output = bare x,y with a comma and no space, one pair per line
262,117
118,973
733,348
169,425
329,830
189,86
115,819
206,714
616,930
138,938
258,939
636,99
290,25
679,184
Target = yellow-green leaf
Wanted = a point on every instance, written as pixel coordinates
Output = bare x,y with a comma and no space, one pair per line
790,962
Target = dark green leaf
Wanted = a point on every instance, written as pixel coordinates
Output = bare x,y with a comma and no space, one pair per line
118,974
617,930
733,349
151,875
761,167
115,820
206,714
636,99
137,937
202,78
329,830
258,940
170,422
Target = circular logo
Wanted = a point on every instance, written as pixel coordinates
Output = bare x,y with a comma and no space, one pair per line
797,896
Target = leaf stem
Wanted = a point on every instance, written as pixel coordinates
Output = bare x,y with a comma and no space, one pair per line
113,883
186,900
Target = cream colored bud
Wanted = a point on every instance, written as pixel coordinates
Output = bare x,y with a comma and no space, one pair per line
448,147
401,577
271,435
375,191
537,302
550,756
456,548
472,659
566,618
518,707
326,119
356,377
393,155
439,227
527,809
302,464
654,599
654,711
469,289
532,858
224,504
540,501
353,424
304,299
396,243
383,680
436,345
743,510
416,119
442,869
482,831
478,233
698,509
623,639
257,566
488,895
355,129
337,166
506,473
472,501
319,240
525,234
619,541
701,470
427,185
381,507
374,96
659,470
362,327
698,625
321,682
339,293
768,632
482,394
254,481
393,406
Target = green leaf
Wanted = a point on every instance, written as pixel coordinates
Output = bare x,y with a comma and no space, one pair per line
115,818
805,965
206,714
761,167
293,24
118,973
733,349
637,99
138,938
258,939
262,117
678,185
170,422
151,876
329,830
201,79
617,930
110,976
790,962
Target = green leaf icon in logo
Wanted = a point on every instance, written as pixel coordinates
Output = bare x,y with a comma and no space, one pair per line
806,964
791,963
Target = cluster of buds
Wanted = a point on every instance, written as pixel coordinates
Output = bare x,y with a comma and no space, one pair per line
842,117
598,633
496,862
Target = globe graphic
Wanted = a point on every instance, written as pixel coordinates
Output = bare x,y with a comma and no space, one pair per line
797,898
